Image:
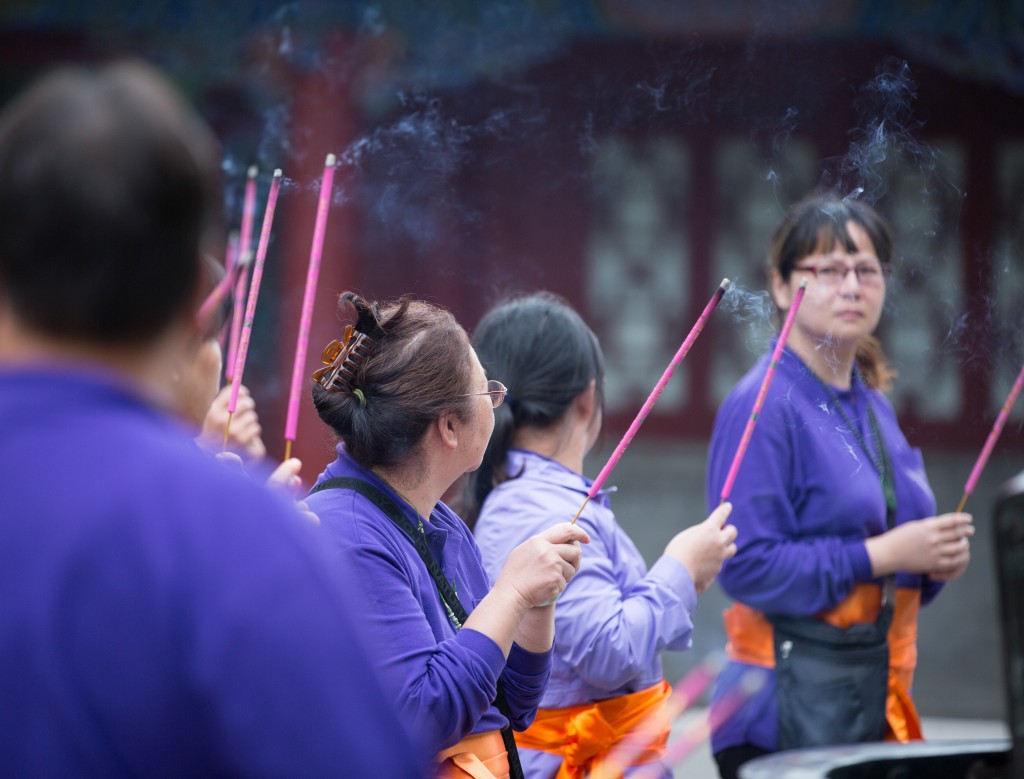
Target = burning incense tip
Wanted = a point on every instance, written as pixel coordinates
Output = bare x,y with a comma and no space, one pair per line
253,171
725,284
655,394
277,173
330,161
803,284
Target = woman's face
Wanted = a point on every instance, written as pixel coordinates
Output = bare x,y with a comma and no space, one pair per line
845,292
480,424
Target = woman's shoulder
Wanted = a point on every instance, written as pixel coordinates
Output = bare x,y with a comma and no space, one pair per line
352,519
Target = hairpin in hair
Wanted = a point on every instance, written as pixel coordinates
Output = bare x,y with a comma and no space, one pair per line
342,359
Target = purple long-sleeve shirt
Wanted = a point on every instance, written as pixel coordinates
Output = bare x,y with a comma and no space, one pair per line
615,616
805,499
443,678
161,615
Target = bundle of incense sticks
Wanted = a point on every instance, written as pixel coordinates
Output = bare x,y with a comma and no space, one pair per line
990,442
685,692
765,383
254,291
217,295
653,397
312,275
245,254
724,709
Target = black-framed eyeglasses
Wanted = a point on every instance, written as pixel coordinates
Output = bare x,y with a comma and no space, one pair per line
833,274
495,389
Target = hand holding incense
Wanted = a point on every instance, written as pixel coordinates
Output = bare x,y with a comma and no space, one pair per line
765,383
993,436
254,291
653,397
244,255
312,275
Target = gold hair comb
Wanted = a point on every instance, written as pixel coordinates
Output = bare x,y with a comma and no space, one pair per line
342,359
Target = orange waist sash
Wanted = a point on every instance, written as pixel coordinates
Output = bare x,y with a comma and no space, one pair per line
750,641
479,756
586,736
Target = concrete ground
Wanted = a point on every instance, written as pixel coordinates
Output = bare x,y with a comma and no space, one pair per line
699,765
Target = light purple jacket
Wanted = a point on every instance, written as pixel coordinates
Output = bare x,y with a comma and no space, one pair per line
615,616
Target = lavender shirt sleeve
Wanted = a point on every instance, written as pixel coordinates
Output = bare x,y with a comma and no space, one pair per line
525,679
443,686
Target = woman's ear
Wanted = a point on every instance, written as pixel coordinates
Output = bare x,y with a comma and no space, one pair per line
586,402
781,293
447,427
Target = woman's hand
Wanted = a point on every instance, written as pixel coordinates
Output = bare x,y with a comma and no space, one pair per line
538,569
244,435
703,548
937,546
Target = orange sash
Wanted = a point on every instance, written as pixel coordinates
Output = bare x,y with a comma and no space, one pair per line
479,756
750,641
585,735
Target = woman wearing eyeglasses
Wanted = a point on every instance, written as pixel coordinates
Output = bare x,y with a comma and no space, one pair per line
616,616
405,393
838,546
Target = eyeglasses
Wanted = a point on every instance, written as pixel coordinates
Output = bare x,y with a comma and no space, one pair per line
495,389
833,274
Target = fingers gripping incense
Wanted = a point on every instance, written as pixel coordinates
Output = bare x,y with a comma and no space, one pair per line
219,292
765,383
254,291
655,394
312,275
245,256
993,436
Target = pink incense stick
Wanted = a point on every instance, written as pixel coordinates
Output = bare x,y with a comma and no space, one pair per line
219,292
766,382
302,344
653,397
993,436
244,254
254,291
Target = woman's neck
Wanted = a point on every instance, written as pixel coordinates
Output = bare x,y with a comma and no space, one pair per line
418,490
831,361
561,442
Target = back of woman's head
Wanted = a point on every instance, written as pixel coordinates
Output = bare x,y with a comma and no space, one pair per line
543,351
817,225
415,368
109,191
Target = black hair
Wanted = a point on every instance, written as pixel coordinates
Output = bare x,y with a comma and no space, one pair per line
543,351
419,367
108,192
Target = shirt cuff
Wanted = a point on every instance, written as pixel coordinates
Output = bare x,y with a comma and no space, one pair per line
860,563
529,663
485,648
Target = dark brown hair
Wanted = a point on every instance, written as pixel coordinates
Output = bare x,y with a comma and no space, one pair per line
108,194
419,366
819,223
